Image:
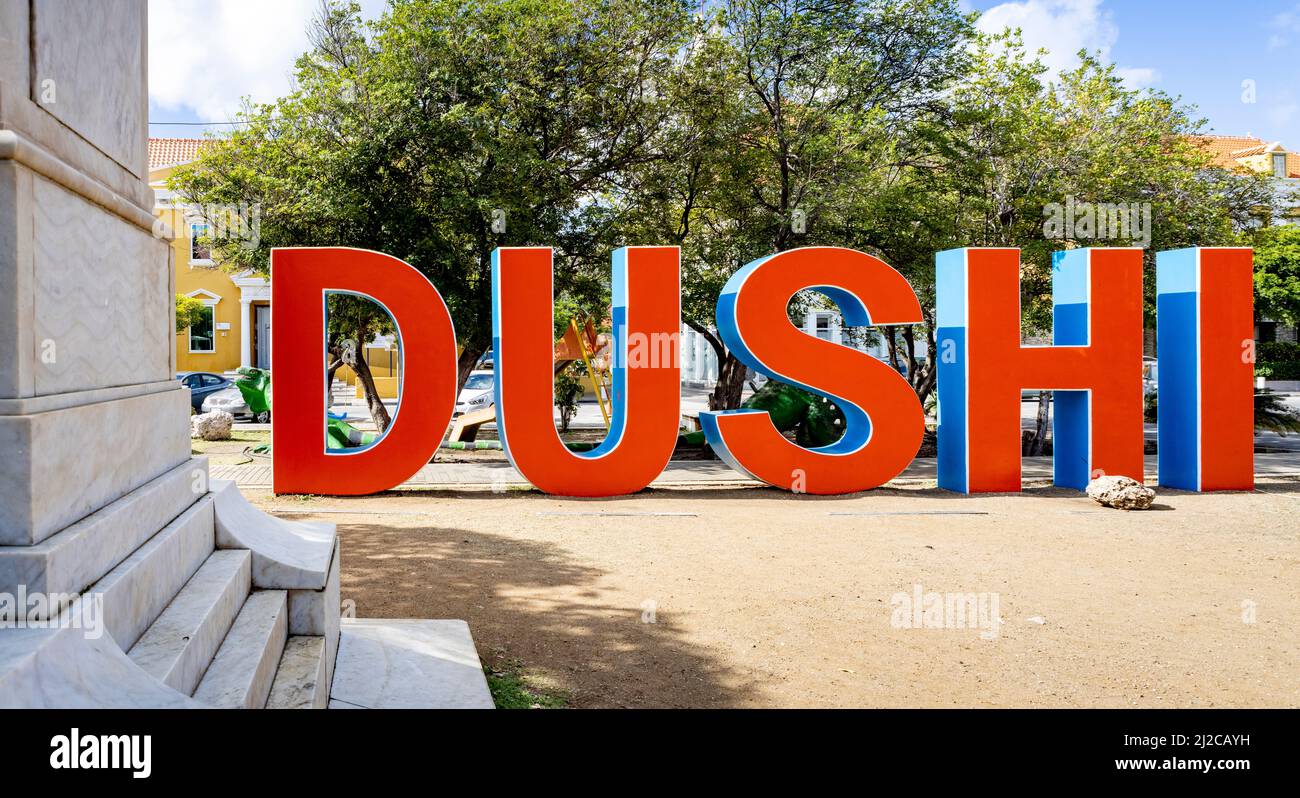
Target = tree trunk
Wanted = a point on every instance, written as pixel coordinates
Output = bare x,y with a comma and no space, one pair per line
1039,439
921,378
378,413
469,357
731,384
909,352
926,381
335,354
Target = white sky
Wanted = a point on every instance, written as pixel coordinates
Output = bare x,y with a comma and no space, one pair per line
1064,27
204,55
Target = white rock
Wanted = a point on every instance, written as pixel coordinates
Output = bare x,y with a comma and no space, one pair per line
1122,493
214,426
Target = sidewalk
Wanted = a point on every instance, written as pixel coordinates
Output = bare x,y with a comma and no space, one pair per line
685,473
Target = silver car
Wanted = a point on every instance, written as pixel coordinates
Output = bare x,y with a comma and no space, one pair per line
477,393
228,399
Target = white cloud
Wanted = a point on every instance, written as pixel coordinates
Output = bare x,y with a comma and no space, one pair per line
1138,77
204,56
1063,27
1284,26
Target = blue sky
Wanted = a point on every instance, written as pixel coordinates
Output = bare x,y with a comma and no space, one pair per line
1199,50
206,54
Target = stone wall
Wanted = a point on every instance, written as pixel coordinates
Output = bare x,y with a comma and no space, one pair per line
87,399
202,599
94,446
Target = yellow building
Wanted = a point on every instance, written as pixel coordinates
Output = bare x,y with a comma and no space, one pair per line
237,330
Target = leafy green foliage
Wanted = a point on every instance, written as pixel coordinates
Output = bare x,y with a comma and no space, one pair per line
1277,360
189,311
1277,275
568,390
413,134
733,129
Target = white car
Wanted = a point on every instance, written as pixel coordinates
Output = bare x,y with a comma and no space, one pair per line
477,393
227,399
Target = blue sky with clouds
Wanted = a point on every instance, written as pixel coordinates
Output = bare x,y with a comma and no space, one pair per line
206,54
1199,50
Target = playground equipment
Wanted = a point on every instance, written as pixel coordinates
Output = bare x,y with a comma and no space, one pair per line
339,434
578,343
255,386
814,420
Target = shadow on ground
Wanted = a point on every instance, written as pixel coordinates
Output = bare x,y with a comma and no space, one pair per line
528,601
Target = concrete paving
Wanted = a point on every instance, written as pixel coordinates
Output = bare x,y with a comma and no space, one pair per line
1282,457
500,475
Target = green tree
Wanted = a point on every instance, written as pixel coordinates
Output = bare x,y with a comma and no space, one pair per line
1277,273
189,311
445,129
1012,148
787,114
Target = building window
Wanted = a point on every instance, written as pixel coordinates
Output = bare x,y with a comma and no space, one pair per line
1279,164
823,329
200,254
202,335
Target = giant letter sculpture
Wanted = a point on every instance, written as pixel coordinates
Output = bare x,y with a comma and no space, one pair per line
1094,367
646,317
1204,332
300,280
883,419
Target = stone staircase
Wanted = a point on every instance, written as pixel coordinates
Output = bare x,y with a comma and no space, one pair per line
224,606
126,578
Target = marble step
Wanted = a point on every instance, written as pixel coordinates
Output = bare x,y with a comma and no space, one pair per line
179,646
75,558
139,588
241,674
286,554
302,679
388,663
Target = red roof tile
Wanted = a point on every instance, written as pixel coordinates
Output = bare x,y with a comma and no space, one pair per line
169,152
1225,150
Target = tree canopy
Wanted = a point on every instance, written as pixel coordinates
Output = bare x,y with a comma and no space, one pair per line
734,129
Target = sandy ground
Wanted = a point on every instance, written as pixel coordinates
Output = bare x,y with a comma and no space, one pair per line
755,598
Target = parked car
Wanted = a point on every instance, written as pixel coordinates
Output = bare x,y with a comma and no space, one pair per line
1150,375
477,393
202,385
229,399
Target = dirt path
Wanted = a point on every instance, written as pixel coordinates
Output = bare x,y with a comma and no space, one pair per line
762,599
